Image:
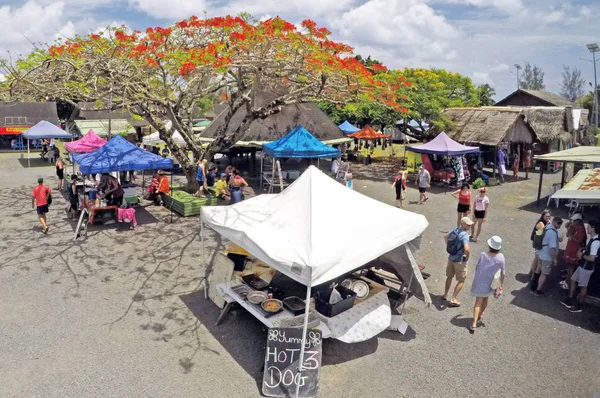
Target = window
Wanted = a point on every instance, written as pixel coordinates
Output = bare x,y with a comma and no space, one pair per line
15,121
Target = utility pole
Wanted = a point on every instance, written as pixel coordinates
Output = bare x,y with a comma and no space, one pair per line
518,68
594,48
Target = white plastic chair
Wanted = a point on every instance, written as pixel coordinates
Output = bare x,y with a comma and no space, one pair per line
573,206
553,189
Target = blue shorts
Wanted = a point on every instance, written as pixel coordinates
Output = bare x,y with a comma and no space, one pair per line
41,210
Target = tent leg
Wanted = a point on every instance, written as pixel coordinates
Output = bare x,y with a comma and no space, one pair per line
304,332
564,175
262,176
407,291
495,161
203,258
540,184
318,164
28,161
171,203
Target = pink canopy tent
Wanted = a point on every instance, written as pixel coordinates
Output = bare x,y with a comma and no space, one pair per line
88,143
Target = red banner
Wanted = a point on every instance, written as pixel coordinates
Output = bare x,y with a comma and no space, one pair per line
11,130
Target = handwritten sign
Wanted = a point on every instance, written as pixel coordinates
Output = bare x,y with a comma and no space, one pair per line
282,361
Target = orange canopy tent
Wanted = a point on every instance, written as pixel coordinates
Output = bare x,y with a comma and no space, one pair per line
368,133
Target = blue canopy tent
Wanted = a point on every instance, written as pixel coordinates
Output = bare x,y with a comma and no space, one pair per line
348,128
44,130
300,144
119,155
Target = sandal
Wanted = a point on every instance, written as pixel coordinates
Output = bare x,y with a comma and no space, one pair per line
472,329
454,304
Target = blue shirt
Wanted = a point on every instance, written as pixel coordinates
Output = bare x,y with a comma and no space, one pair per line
550,242
463,237
200,175
501,157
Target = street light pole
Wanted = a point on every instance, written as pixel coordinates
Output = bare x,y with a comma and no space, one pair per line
594,48
518,67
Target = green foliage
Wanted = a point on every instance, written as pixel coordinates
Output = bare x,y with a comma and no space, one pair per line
485,93
532,78
478,183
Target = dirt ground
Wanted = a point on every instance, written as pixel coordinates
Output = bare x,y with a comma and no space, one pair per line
122,313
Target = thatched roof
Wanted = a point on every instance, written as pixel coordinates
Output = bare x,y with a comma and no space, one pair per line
549,123
523,97
87,111
27,113
279,124
491,125
485,126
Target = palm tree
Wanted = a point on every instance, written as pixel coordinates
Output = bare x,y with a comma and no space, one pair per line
485,92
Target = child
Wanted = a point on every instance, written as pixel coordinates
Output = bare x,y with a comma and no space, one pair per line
480,206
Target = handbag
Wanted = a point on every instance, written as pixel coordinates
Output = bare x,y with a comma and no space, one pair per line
496,281
48,198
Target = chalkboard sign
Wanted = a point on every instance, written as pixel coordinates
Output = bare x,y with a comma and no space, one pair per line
282,361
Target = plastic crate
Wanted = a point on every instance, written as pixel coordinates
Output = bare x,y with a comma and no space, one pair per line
330,310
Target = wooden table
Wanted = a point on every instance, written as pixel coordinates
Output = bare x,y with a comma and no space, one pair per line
93,209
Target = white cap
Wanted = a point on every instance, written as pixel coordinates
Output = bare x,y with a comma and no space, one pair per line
576,216
495,242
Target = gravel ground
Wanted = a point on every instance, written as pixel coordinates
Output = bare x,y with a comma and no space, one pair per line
121,315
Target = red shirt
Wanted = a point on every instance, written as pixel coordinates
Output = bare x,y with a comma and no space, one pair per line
464,199
40,193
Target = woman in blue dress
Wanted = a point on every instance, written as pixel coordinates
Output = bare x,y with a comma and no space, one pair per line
487,266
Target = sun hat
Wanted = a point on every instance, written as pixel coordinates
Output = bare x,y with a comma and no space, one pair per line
495,242
421,166
576,216
466,221
223,175
40,180
161,172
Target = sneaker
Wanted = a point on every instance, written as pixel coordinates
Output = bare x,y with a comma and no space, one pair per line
576,308
567,302
564,285
537,293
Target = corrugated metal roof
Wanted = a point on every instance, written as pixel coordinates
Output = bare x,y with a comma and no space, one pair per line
100,127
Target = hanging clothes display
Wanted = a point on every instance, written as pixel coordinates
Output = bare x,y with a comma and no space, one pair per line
457,167
465,167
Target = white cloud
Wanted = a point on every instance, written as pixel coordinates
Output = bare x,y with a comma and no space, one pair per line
399,32
171,9
481,78
506,6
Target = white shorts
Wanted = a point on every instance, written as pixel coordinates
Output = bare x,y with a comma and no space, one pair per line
582,276
502,169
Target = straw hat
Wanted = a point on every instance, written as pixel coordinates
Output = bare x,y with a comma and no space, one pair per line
495,242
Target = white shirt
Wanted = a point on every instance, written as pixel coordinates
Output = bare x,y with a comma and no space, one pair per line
335,166
424,178
481,203
595,247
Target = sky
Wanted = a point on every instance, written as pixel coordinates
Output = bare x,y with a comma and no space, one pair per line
482,39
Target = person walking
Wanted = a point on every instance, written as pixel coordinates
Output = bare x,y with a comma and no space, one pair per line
41,198
545,218
201,178
73,198
501,164
457,246
516,161
547,253
590,260
464,202
576,239
480,207
424,182
400,186
60,172
236,185
487,267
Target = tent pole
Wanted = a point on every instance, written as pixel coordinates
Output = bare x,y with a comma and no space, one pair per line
564,175
304,332
203,257
412,275
318,164
28,161
262,161
171,202
540,184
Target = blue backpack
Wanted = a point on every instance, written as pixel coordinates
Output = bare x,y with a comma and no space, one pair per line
454,244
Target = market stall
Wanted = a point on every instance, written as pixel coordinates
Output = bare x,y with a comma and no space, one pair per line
86,144
442,145
584,189
305,236
348,128
297,144
116,156
44,130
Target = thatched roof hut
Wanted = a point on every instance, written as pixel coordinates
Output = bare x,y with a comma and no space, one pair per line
492,125
488,125
523,97
278,125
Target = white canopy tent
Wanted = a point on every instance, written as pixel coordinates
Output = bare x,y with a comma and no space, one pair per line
307,233
154,138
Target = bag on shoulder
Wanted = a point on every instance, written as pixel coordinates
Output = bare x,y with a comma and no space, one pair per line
48,198
538,240
454,244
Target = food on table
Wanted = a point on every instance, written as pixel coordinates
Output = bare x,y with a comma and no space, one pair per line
271,305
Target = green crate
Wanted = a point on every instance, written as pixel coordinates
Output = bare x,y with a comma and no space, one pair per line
186,204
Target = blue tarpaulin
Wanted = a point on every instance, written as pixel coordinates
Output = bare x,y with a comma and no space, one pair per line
348,128
120,155
299,143
45,129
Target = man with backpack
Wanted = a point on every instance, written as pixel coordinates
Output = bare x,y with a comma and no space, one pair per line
41,198
457,246
546,245
590,259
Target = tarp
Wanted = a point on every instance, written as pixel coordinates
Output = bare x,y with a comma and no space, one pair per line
100,127
45,129
348,128
580,154
584,187
443,145
368,133
305,232
154,138
299,143
120,155
88,143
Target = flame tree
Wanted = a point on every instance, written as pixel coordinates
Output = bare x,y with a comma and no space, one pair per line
163,73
